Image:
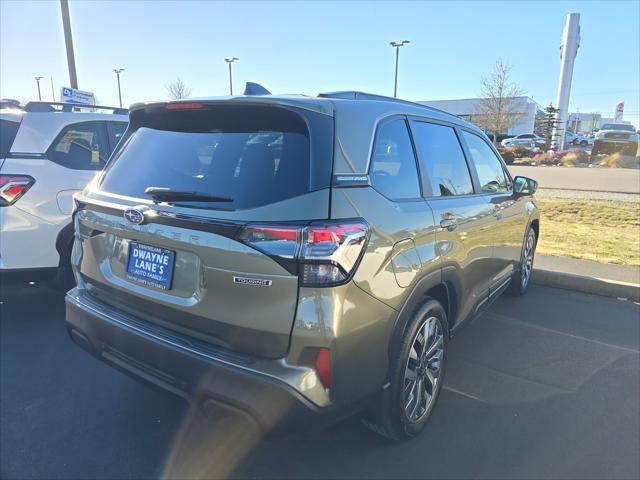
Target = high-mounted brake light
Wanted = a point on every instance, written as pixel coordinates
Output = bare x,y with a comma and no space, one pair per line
326,253
12,187
183,106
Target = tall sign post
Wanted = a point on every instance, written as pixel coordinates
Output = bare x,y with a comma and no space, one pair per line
568,52
68,41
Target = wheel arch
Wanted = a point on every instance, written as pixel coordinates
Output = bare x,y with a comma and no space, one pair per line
440,285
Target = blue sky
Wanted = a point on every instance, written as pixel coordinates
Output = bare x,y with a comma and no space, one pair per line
309,47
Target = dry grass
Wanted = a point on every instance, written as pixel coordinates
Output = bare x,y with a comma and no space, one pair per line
601,230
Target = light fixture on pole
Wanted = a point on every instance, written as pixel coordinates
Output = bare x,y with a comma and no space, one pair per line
230,61
397,46
38,82
117,71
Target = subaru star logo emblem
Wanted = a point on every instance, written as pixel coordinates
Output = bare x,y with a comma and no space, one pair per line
134,216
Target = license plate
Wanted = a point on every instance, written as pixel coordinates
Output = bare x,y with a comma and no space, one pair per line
151,266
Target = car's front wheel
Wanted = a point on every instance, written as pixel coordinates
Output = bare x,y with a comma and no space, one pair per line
417,373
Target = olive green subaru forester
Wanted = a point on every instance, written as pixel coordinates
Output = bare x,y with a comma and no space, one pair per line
293,257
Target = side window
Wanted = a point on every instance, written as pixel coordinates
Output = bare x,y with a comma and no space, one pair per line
489,168
393,166
116,131
82,146
442,160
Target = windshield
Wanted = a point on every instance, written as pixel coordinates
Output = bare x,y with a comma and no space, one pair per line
252,155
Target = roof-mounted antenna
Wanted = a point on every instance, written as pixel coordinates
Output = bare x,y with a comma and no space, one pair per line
255,89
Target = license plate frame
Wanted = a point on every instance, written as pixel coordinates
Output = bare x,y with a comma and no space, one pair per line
150,266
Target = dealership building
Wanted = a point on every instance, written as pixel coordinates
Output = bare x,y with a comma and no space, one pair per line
525,108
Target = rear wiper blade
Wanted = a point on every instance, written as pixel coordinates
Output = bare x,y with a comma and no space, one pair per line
164,194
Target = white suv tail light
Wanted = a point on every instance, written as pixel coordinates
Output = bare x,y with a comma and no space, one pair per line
12,187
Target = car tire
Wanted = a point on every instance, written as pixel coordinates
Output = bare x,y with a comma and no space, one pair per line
584,143
416,376
522,276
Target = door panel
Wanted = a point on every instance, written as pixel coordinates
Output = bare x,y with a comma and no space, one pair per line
508,216
464,241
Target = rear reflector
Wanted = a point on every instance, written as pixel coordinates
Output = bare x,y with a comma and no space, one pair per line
323,366
327,253
12,187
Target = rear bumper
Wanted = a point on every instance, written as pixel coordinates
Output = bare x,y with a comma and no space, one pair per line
213,378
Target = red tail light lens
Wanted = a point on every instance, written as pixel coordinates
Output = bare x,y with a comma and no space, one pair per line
330,252
272,240
323,366
12,187
326,253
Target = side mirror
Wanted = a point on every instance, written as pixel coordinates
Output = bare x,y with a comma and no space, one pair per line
524,186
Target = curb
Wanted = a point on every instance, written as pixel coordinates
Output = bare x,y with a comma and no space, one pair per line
592,285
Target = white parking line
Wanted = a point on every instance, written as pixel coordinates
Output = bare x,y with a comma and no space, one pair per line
461,393
505,318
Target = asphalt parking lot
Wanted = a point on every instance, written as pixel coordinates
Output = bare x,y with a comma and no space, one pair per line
545,386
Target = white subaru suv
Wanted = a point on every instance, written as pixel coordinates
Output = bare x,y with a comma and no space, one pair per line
48,151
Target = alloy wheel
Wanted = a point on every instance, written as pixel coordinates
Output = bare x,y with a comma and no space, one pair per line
527,261
422,372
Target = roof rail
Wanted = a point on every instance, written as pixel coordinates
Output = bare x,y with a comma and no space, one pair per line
355,95
69,107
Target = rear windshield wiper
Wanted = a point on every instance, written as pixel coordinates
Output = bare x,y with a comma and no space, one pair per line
164,194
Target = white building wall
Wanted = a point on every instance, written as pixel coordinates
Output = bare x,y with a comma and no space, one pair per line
467,108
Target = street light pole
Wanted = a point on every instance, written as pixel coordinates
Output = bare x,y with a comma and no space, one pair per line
230,61
38,82
117,72
397,46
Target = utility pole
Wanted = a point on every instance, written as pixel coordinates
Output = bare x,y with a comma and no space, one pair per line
568,52
230,61
38,82
53,92
68,41
397,46
117,72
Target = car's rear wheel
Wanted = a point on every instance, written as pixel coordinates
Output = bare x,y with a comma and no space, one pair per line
417,373
522,277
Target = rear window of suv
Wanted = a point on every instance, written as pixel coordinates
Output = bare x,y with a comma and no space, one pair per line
254,155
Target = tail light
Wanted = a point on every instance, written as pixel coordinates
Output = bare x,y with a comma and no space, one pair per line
324,254
12,187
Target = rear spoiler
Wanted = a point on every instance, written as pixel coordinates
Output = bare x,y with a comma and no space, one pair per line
69,107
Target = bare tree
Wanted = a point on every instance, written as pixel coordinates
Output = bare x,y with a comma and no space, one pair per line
177,89
497,110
